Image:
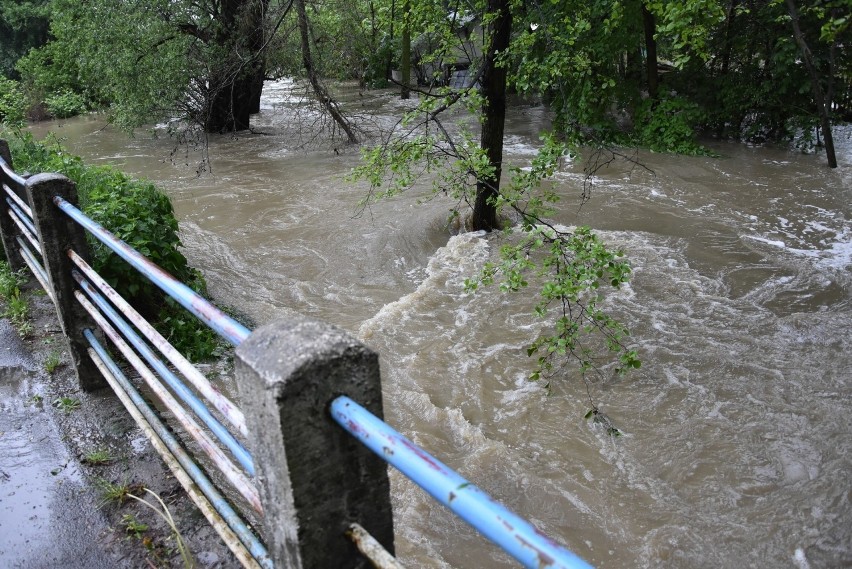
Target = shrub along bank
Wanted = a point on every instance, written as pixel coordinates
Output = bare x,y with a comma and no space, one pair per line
140,214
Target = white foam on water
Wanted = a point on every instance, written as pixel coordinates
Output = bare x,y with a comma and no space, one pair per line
517,145
773,242
837,253
458,259
800,559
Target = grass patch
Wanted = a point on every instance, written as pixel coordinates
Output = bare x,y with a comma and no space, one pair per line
98,457
66,404
132,526
11,281
17,308
166,515
115,493
52,362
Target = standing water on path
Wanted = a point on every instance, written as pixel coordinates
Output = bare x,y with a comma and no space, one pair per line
736,447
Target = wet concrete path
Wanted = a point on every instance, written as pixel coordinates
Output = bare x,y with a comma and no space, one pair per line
48,517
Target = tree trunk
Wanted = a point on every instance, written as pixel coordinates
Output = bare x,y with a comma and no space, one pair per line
493,116
257,88
405,63
816,86
329,104
235,91
254,34
650,27
728,46
230,106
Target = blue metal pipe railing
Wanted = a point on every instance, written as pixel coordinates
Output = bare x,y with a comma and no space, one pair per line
177,386
21,203
221,403
25,231
218,321
210,315
234,521
22,216
235,476
13,176
515,535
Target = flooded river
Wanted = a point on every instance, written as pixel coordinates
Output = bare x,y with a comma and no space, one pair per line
736,449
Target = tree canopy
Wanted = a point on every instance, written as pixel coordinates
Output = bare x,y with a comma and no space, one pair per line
647,72
615,73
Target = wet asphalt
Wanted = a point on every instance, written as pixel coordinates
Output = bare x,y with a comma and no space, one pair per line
48,517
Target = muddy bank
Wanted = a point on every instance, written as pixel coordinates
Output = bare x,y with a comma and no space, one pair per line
54,509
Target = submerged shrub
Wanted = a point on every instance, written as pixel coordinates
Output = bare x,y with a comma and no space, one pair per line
65,104
667,125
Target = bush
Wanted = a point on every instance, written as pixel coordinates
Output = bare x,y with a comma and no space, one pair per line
65,104
142,216
666,125
13,105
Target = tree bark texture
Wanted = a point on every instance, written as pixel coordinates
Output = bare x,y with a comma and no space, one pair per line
650,27
816,86
235,91
329,104
493,116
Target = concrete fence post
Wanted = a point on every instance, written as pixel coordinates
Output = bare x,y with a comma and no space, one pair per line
315,478
8,229
58,233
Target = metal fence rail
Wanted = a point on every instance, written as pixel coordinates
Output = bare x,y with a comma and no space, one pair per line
516,536
218,321
225,520
299,381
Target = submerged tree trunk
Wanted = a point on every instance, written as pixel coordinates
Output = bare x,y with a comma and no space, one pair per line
329,104
257,88
816,86
493,116
235,91
230,107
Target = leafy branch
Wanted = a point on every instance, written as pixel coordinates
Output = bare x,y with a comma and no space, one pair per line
573,266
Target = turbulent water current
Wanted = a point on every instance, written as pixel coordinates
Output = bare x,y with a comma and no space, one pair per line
737,446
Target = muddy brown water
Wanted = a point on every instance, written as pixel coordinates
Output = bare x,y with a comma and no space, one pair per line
736,447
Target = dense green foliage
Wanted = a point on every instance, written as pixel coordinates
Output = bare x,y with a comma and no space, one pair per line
23,25
651,73
13,108
17,308
142,216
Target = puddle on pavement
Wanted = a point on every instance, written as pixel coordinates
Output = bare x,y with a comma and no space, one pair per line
47,518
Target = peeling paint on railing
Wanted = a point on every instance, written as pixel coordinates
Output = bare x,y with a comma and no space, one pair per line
218,321
516,536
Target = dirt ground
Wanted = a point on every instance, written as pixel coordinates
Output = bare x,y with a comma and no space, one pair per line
54,509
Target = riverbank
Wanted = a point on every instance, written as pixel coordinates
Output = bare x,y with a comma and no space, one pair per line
64,456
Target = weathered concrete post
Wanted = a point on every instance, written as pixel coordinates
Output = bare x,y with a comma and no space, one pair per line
8,229
58,233
315,478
